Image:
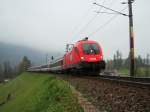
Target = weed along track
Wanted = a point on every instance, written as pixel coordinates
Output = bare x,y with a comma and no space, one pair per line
85,104
112,96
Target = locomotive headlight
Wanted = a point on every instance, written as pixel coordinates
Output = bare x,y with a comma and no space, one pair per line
82,58
101,57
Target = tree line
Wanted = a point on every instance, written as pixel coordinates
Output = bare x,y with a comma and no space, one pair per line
142,65
7,71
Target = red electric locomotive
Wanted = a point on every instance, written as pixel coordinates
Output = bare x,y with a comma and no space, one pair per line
85,56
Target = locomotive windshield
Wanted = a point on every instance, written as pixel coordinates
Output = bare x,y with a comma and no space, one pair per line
91,48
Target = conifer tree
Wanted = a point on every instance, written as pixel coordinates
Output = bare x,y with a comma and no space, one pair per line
24,65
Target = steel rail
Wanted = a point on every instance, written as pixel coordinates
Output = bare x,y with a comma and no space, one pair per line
144,82
132,81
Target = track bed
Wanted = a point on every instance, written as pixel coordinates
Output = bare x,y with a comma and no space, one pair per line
113,95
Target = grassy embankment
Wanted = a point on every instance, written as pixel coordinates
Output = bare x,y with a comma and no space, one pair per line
32,92
140,72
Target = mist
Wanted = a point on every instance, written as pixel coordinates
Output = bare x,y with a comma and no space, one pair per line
48,25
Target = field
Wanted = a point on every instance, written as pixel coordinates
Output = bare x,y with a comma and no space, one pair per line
124,71
32,92
140,72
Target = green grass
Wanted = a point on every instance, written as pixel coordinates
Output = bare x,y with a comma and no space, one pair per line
35,92
124,71
140,72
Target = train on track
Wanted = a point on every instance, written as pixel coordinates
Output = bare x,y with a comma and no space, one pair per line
85,56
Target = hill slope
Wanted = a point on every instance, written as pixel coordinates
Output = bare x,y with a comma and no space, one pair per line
32,92
14,54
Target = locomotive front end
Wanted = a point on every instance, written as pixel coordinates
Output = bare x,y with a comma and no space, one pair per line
91,56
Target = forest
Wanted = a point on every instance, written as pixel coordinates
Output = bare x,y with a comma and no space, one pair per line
122,65
8,72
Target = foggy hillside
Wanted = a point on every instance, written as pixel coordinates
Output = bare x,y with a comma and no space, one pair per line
14,54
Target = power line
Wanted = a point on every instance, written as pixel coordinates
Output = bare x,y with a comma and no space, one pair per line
79,23
90,21
105,24
102,26
105,12
117,12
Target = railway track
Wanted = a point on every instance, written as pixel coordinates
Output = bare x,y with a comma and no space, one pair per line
129,80
132,81
113,93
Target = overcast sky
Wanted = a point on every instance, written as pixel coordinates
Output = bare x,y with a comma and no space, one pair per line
49,24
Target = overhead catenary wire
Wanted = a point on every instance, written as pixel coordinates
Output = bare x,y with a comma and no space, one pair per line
75,35
90,21
103,25
106,23
80,22
117,12
106,12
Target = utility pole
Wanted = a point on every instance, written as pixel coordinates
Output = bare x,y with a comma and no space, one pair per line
131,34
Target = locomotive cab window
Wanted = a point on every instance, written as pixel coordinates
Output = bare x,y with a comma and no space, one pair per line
90,48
